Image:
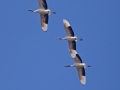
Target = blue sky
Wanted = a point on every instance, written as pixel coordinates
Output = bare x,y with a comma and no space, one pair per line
31,59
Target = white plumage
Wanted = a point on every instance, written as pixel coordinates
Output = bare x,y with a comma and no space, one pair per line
43,11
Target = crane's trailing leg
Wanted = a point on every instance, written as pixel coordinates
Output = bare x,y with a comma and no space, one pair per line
53,12
80,39
78,65
88,66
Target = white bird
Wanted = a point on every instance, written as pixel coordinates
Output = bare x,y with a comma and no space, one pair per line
79,65
69,31
43,11
69,35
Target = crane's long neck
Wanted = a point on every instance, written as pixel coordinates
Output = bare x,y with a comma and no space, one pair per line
31,10
59,38
69,66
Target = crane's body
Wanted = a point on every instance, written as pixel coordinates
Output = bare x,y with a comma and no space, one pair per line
44,12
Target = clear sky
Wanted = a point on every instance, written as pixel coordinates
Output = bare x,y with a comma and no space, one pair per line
31,59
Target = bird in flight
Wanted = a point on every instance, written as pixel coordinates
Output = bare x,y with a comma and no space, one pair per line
43,11
79,65
69,31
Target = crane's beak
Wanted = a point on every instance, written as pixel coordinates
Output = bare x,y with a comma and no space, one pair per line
67,66
31,10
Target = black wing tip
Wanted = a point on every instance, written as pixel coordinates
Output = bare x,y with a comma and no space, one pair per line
77,55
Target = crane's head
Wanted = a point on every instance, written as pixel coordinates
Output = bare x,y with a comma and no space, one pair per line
31,10
67,65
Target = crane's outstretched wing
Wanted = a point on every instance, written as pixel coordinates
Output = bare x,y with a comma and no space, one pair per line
42,4
44,21
81,70
72,45
81,74
68,28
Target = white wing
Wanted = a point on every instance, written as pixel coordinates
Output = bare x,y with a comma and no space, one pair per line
44,21
81,70
42,4
81,74
68,28
72,45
